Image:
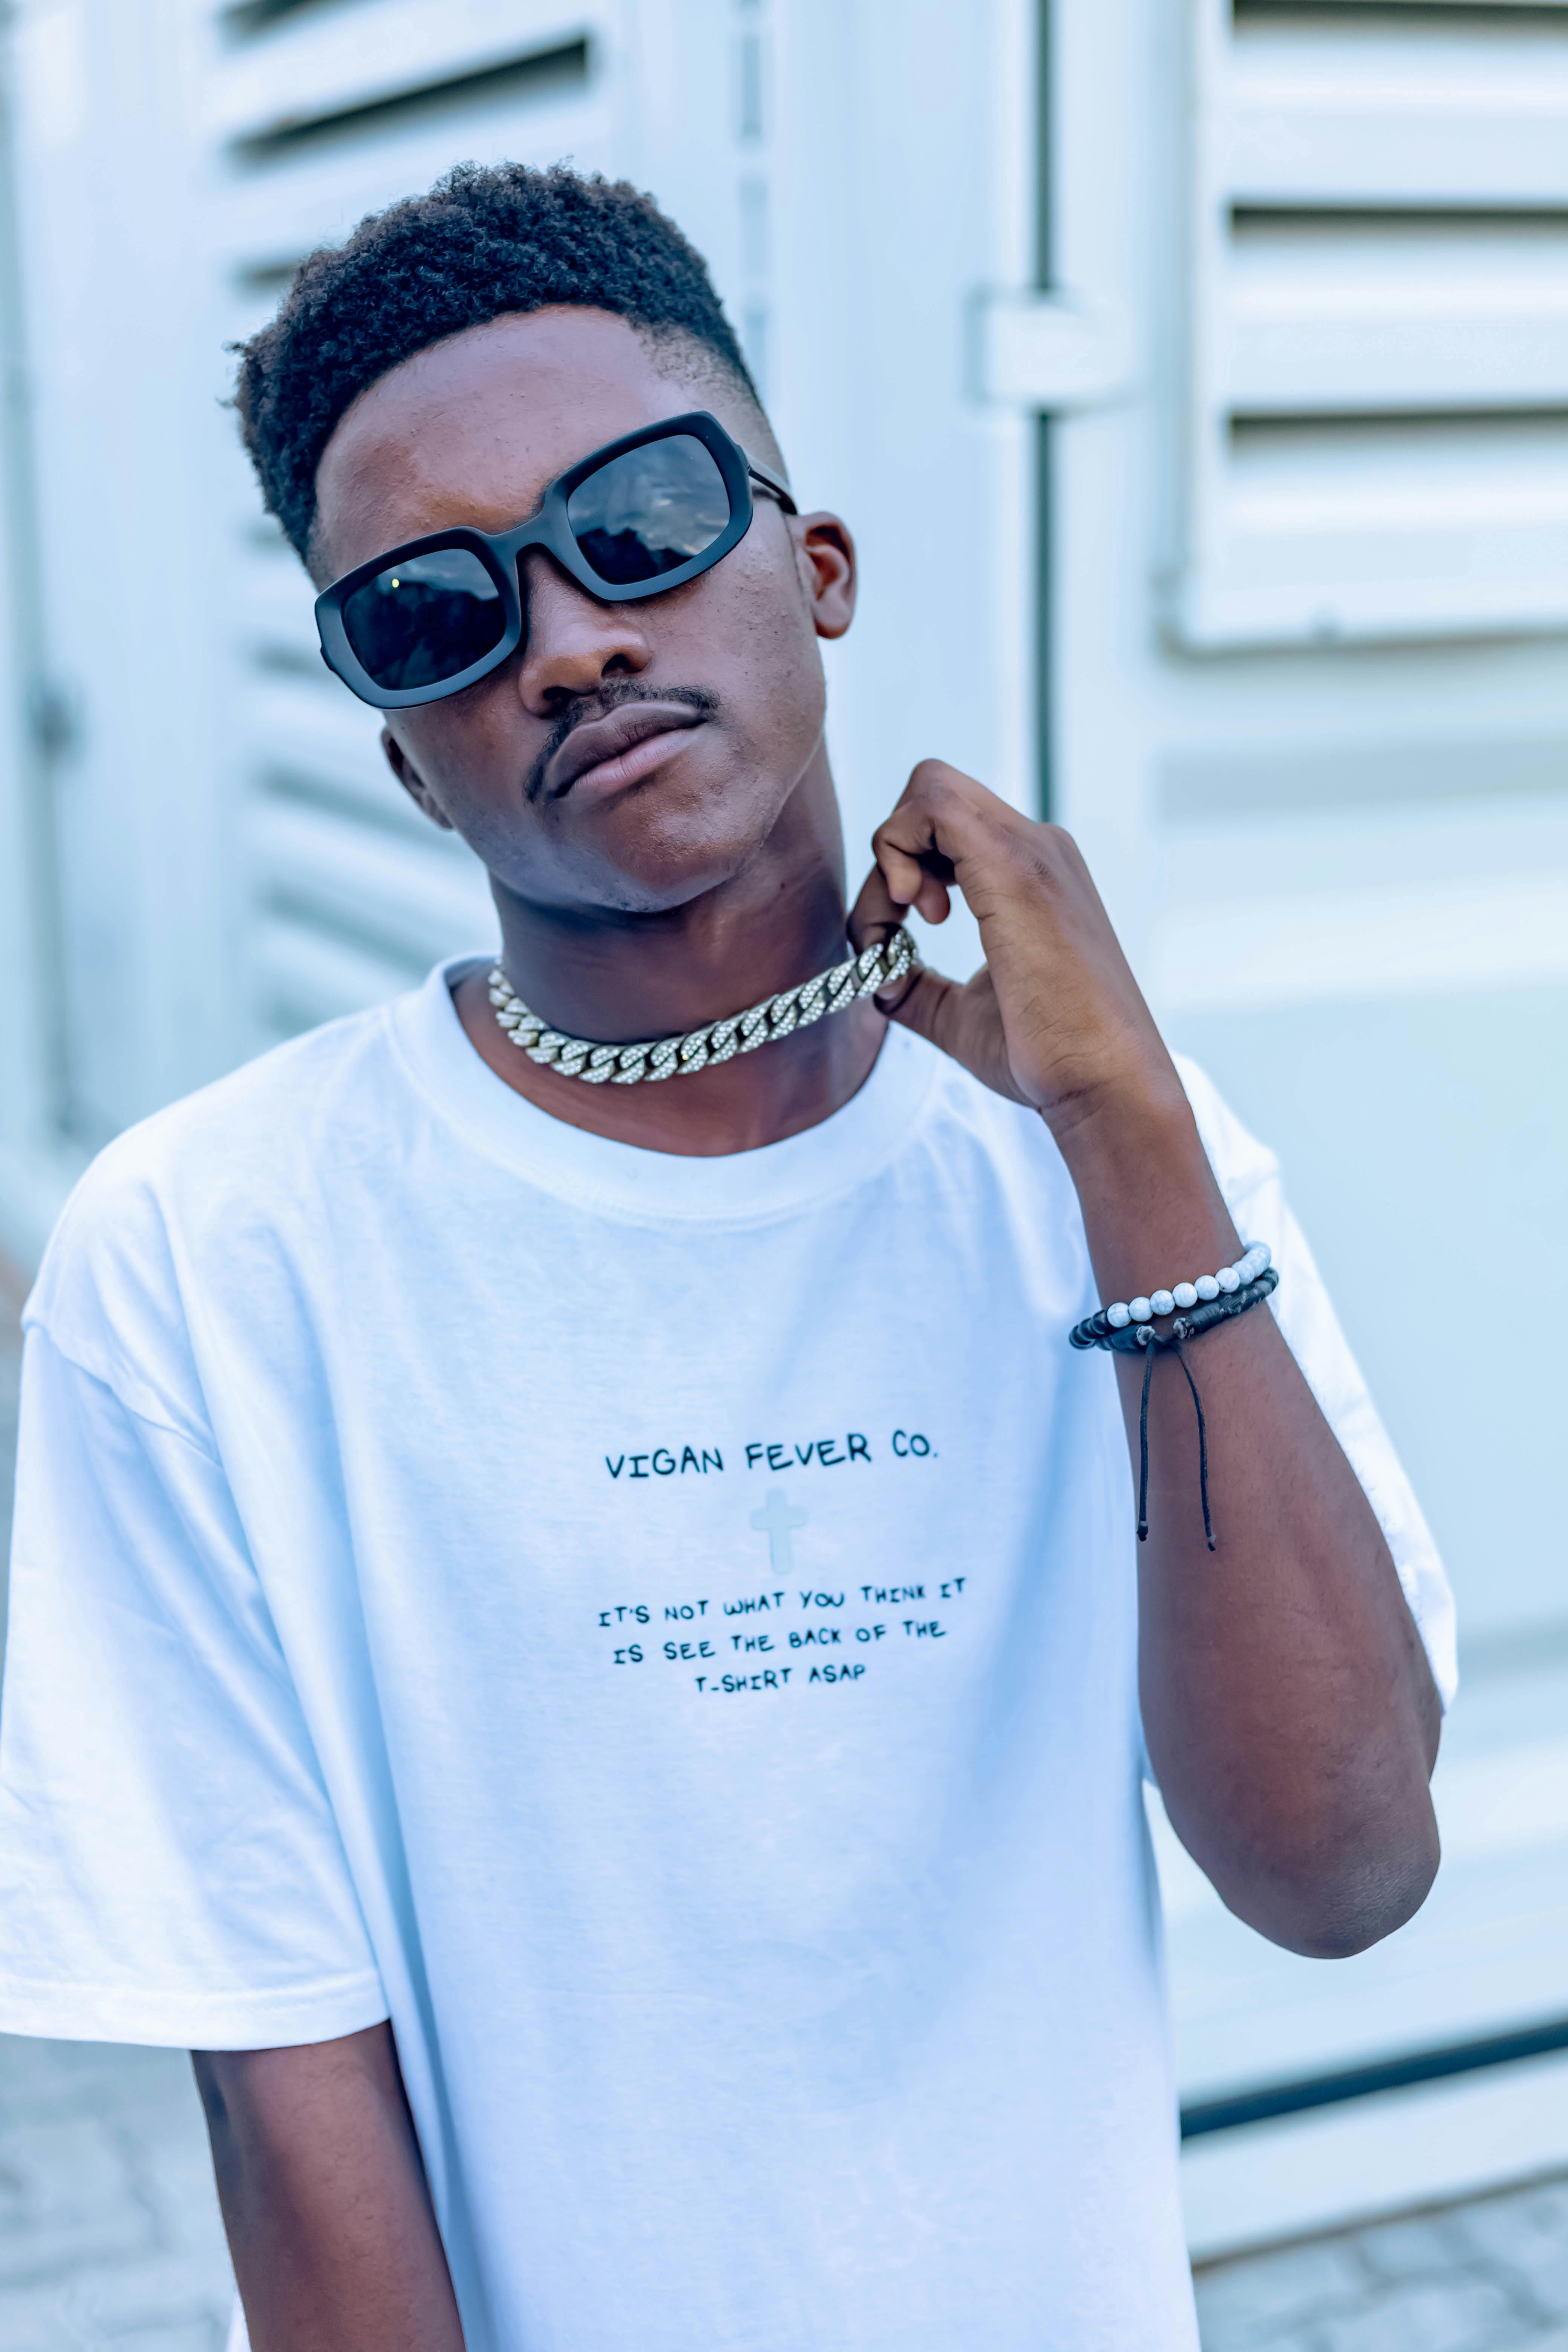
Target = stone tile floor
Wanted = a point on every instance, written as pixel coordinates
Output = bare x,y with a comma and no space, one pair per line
1487,2275
110,2240
110,2234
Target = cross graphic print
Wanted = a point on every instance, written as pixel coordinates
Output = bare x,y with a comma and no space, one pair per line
774,1520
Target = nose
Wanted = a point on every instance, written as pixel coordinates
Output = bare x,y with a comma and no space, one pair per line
575,643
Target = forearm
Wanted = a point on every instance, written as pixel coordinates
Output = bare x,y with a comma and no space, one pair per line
324,2199
1289,1713
1289,1710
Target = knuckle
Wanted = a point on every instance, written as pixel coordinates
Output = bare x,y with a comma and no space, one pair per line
1046,852
934,782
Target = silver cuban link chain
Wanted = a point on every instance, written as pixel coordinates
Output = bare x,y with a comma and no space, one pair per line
717,1041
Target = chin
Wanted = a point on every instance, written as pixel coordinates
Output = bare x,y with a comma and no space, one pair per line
658,885
663,857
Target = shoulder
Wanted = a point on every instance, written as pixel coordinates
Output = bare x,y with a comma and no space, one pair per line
250,1131
192,1183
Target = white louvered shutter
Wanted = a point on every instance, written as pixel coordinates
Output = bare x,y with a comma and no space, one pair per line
1379,323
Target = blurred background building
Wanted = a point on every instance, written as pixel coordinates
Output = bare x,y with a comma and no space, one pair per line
1194,373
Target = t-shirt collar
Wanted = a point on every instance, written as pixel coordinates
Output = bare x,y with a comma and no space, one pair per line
622,1179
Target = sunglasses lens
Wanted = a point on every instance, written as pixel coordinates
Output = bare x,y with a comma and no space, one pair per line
650,510
425,620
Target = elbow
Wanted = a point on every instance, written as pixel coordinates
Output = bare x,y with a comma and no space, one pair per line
1332,1909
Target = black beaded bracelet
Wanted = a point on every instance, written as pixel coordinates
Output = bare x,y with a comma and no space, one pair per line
1142,1339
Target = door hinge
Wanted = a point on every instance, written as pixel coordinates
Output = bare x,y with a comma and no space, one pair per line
1052,351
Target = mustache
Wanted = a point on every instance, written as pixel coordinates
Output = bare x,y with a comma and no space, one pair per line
613,696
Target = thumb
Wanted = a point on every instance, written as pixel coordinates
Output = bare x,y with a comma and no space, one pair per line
928,1002
921,999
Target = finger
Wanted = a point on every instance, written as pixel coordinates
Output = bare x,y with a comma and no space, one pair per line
924,1006
908,844
933,899
875,913
900,868
909,879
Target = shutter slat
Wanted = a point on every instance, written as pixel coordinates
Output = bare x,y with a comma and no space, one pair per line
322,67
1430,354
1423,106
1321,152
370,885
305,975
318,195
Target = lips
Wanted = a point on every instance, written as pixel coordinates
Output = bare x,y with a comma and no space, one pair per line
625,745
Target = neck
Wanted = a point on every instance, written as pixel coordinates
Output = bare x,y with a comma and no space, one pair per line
615,977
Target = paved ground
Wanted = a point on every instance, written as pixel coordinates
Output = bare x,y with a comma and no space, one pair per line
1485,2277
109,2235
110,2232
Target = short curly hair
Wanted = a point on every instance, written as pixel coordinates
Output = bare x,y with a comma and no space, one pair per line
485,241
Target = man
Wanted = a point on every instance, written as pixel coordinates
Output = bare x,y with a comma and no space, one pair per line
581,1638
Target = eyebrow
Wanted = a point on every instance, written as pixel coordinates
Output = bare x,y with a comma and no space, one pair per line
762,475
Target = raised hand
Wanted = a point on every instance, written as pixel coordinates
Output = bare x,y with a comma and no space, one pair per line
1286,1700
1053,1018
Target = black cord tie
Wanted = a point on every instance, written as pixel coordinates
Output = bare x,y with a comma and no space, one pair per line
1149,1344
1203,1435
1126,1338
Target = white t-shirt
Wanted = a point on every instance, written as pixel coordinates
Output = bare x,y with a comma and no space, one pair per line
663,1631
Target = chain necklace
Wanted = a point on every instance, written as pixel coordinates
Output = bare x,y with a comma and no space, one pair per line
716,1041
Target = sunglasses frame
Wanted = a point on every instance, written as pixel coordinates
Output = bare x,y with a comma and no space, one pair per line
548,528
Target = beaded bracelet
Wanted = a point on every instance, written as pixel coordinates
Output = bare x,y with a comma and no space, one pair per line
1136,1335
1181,1296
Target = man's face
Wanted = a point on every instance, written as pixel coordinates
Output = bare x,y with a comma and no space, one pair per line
723,675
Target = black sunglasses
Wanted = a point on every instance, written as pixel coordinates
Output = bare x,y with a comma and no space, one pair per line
645,513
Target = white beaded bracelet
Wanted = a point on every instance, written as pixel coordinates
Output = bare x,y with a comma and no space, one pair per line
1183,1295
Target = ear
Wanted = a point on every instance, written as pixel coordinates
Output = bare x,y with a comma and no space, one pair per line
413,783
826,555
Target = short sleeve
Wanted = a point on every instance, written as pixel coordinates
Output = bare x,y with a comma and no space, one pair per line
170,1867
1250,1180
